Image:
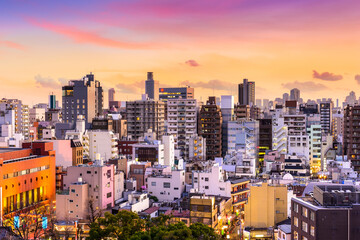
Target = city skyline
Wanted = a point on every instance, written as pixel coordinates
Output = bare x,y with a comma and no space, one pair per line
210,46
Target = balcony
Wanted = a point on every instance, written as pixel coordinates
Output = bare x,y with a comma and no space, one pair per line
240,191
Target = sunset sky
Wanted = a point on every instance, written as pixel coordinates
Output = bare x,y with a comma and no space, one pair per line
313,45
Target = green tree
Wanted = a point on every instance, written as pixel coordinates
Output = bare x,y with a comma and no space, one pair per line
129,226
120,226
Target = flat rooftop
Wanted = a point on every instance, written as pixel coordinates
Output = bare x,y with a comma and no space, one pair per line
4,150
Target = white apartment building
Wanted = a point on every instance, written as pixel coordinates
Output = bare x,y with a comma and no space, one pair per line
167,187
298,140
36,114
280,136
22,123
237,164
103,142
182,122
169,150
211,182
243,134
197,147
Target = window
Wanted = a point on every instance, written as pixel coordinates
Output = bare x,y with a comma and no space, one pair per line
296,207
312,216
206,179
108,195
71,200
304,212
296,235
304,238
296,221
312,231
206,187
176,188
88,172
153,183
166,185
304,226
72,190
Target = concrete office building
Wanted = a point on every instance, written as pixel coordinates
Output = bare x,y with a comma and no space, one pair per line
166,94
151,87
246,93
82,97
144,115
182,122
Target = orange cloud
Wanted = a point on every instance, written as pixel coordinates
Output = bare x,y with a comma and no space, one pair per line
12,45
81,36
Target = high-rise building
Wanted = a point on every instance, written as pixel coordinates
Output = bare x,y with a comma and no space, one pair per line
151,87
295,94
144,115
351,136
227,112
111,94
210,122
182,122
82,97
314,133
286,97
337,124
52,101
247,93
166,94
326,116
265,138
298,140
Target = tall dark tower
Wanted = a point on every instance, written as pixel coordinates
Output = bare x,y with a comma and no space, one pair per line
152,87
247,93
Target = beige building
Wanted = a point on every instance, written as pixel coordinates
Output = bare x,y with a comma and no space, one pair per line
73,204
267,205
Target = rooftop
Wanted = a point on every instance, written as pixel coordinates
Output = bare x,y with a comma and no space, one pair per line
286,228
5,150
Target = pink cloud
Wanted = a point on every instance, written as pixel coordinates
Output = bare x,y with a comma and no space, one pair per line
81,36
327,76
11,44
192,63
